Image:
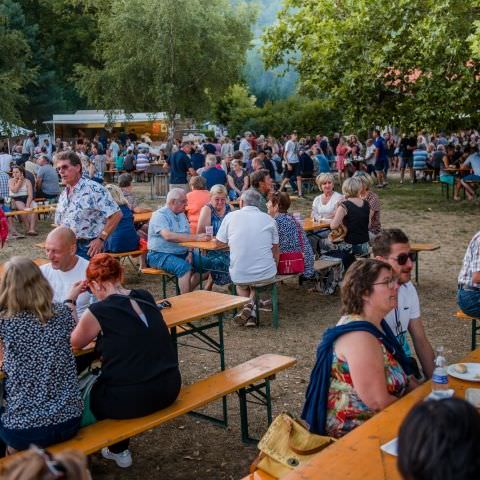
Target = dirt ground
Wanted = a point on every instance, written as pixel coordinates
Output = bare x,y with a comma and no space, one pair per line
189,448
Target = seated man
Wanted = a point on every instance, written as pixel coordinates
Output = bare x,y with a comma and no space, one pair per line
47,185
392,246
468,295
65,267
167,228
262,182
253,240
473,162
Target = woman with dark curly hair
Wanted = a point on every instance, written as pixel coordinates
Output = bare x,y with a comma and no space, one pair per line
140,372
360,368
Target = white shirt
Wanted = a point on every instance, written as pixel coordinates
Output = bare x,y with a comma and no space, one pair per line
291,151
408,309
61,283
319,210
250,235
5,160
245,148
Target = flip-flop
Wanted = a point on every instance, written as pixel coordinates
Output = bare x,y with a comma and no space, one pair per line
32,234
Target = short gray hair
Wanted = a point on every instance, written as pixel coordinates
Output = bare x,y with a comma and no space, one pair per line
251,198
175,194
211,160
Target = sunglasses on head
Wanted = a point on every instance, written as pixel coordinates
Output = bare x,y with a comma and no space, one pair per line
402,259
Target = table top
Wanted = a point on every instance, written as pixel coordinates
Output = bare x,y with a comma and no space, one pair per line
199,304
426,247
204,245
309,225
39,209
142,217
357,455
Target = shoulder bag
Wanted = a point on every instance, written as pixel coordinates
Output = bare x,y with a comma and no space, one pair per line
292,262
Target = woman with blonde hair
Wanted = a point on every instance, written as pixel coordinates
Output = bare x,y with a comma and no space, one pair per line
124,238
354,214
325,204
212,215
43,403
21,192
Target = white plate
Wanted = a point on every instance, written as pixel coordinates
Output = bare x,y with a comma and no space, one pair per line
472,374
391,447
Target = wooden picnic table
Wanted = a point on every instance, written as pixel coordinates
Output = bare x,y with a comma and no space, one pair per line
142,217
357,455
39,209
310,225
422,247
236,203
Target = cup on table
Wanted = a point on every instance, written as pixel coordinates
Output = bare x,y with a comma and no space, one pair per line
209,230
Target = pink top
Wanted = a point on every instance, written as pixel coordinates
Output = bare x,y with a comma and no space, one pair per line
342,151
196,200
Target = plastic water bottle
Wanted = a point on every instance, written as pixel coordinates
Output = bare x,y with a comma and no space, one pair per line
440,376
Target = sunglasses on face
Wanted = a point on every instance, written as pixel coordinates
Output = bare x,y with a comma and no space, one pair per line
402,259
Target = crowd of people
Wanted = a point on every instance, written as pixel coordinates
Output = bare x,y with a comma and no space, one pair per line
377,352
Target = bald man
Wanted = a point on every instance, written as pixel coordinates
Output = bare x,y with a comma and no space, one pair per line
65,267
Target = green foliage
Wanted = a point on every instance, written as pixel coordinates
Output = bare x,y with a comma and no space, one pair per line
408,66
294,113
15,55
224,109
170,56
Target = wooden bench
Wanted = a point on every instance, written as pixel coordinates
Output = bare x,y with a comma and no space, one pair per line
250,377
166,278
259,475
475,328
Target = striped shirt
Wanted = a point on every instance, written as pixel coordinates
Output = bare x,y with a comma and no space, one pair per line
471,263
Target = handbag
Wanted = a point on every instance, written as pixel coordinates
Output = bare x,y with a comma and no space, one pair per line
86,381
292,262
286,445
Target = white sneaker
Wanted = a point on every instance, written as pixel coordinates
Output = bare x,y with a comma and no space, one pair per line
122,459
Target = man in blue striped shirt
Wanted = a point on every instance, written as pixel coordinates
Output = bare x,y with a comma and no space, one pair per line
420,158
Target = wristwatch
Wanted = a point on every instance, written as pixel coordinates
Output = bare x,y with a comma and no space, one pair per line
69,300
103,236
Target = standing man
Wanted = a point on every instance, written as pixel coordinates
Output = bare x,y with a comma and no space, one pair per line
28,149
180,166
245,146
292,161
85,206
381,158
468,295
65,267
393,247
407,145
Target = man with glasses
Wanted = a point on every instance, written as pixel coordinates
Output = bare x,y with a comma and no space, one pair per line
392,246
84,206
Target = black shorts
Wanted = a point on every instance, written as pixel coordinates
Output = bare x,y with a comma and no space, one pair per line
379,165
406,162
294,172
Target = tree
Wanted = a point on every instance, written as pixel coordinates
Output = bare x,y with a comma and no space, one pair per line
409,66
171,56
15,54
225,108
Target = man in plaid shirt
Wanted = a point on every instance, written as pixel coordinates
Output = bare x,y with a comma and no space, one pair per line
468,296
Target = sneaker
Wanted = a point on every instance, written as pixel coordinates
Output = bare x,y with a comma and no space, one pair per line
122,459
242,317
265,305
252,322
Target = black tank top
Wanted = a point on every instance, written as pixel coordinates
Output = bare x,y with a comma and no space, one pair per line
356,221
133,350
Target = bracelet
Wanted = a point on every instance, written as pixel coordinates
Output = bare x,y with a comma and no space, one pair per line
69,300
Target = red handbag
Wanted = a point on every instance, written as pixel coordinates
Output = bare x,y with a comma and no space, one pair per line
292,262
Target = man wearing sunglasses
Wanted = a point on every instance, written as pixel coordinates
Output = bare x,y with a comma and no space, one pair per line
392,246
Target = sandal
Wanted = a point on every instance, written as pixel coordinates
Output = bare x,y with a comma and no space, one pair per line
32,234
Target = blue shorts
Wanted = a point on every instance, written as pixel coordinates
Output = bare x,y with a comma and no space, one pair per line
40,436
176,264
471,178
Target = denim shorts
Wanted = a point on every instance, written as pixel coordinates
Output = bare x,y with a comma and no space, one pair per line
177,264
40,436
471,178
469,302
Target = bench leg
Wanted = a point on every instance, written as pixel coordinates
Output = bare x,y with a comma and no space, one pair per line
164,286
475,330
416,267
260,396
275,305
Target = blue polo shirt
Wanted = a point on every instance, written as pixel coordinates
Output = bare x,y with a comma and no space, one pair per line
179,164
165,219
380,145
214,176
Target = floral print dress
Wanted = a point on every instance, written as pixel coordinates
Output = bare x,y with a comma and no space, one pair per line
345,409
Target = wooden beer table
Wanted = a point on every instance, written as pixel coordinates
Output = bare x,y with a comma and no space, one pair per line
358,456
142,217
309,225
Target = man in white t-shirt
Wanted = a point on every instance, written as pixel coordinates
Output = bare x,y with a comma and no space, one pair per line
245,146
65,267
5,160
392,246
292,164
253,240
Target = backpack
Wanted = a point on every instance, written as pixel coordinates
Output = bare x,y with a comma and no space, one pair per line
3,228
128,162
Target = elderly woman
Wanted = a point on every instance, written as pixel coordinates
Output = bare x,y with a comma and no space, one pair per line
354,214
325,204
212,215
197,198
44,405
21,192
291,236
138,377
360,368
238,180
374,225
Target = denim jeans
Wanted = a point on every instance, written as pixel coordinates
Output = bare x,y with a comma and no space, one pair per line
82,249
469,302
